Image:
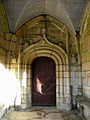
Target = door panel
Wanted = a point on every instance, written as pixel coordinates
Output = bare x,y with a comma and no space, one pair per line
43,81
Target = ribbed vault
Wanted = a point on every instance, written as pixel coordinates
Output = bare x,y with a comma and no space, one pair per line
67,11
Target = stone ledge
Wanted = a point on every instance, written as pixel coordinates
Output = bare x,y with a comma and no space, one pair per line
3,110
83,106
1,106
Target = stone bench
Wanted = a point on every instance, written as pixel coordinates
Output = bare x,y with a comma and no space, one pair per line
1,106
3,110
83,106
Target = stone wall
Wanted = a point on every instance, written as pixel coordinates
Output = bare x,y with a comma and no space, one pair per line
85,51
3,29
2,45
76,83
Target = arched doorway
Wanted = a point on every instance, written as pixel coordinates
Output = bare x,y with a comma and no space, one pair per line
46,49
43,82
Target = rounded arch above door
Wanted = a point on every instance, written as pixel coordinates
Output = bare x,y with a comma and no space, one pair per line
43,81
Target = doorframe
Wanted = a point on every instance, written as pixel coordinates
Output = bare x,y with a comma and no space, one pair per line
47,49
54,76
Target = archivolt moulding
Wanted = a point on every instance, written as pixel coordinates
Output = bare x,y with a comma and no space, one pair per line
47,49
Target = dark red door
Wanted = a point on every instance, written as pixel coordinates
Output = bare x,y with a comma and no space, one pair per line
43,81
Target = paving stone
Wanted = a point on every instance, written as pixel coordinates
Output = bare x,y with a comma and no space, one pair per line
42,113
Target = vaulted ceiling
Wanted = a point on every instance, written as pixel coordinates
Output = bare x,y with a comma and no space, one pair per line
68,12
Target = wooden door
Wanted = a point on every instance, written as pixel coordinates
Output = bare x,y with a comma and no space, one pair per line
43,81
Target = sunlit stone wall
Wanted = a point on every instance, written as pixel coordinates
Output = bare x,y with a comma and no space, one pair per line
8,64
85,51
86,66
2,45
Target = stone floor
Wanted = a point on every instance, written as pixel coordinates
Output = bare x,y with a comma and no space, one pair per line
42,113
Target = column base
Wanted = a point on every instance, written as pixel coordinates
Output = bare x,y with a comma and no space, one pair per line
64,106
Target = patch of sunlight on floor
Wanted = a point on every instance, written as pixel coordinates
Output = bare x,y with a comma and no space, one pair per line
42,113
